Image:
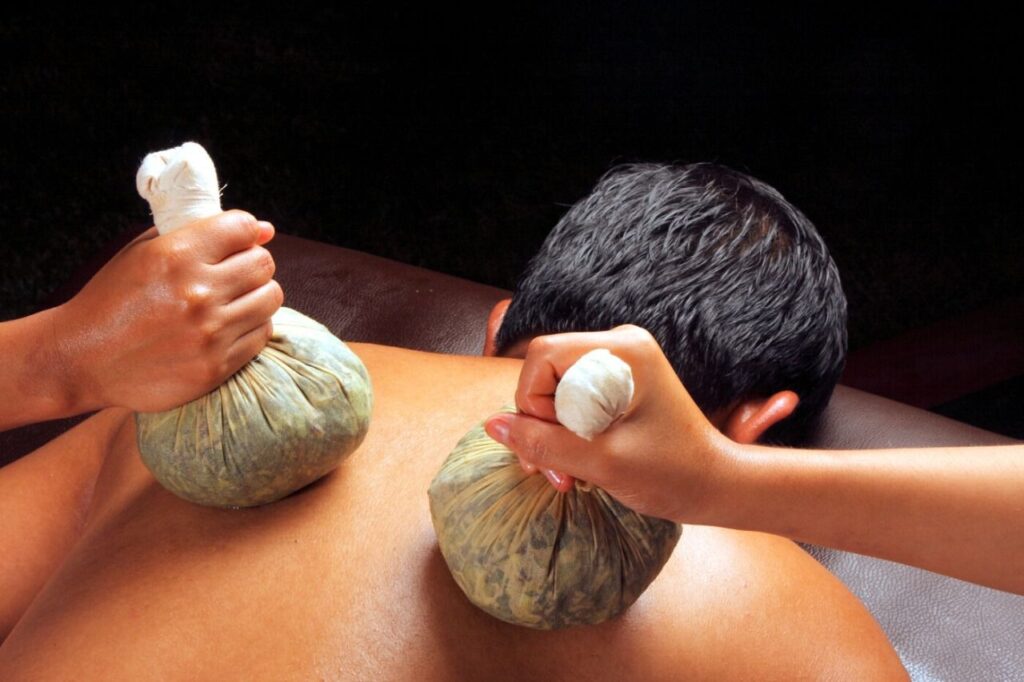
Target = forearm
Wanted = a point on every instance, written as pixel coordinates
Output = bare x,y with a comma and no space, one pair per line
45,498
956,511
34,381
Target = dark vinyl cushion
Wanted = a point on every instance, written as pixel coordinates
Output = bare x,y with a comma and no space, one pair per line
361,297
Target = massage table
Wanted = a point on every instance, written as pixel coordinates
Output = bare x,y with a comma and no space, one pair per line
942,628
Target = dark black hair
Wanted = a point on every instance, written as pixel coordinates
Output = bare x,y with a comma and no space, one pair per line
732,280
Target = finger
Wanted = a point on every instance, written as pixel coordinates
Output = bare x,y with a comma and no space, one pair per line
242,272
559,481
214,239
252,309
248,346
498,430
543,444
266,233
535,392
547,359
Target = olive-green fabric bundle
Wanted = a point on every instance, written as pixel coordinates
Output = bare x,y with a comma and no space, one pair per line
284,420
532,556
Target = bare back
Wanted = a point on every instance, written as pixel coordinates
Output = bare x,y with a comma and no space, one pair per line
344,580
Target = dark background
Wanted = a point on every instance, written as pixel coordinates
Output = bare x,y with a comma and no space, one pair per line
454,140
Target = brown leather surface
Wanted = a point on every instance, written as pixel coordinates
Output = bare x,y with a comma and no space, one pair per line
361,297
955,357
855,419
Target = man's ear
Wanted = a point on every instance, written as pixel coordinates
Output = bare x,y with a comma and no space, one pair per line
493,325
750,419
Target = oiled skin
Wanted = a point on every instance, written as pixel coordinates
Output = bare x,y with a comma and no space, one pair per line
344,580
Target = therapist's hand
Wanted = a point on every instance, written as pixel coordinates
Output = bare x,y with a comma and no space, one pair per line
170,317
662,458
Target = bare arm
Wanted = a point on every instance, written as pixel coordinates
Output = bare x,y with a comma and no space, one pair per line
44,501
956,511
30,374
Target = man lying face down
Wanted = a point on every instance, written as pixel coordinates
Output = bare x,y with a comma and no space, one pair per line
344,580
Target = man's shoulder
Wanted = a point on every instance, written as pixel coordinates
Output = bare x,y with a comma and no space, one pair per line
404,376
760,604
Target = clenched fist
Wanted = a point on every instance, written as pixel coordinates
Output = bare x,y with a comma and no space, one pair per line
170,317
661,458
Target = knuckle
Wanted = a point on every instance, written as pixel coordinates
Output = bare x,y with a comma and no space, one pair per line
214,372
541,345
196,298
277,293
207,334
197,342
648,341
639,337
244,221
635,333
265,264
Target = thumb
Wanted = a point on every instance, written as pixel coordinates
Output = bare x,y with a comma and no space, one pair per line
266,232
542,444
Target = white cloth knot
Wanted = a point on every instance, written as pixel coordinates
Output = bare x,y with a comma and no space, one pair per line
180,185
593,393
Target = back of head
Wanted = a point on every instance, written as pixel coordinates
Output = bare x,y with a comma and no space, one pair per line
733,281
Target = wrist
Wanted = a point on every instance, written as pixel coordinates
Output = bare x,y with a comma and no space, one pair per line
726,479
32,372
777,490
66,358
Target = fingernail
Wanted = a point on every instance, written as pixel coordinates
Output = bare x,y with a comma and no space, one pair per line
527,467
497,427
266,230
556,478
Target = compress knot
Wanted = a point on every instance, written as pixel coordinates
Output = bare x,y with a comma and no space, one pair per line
180,185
